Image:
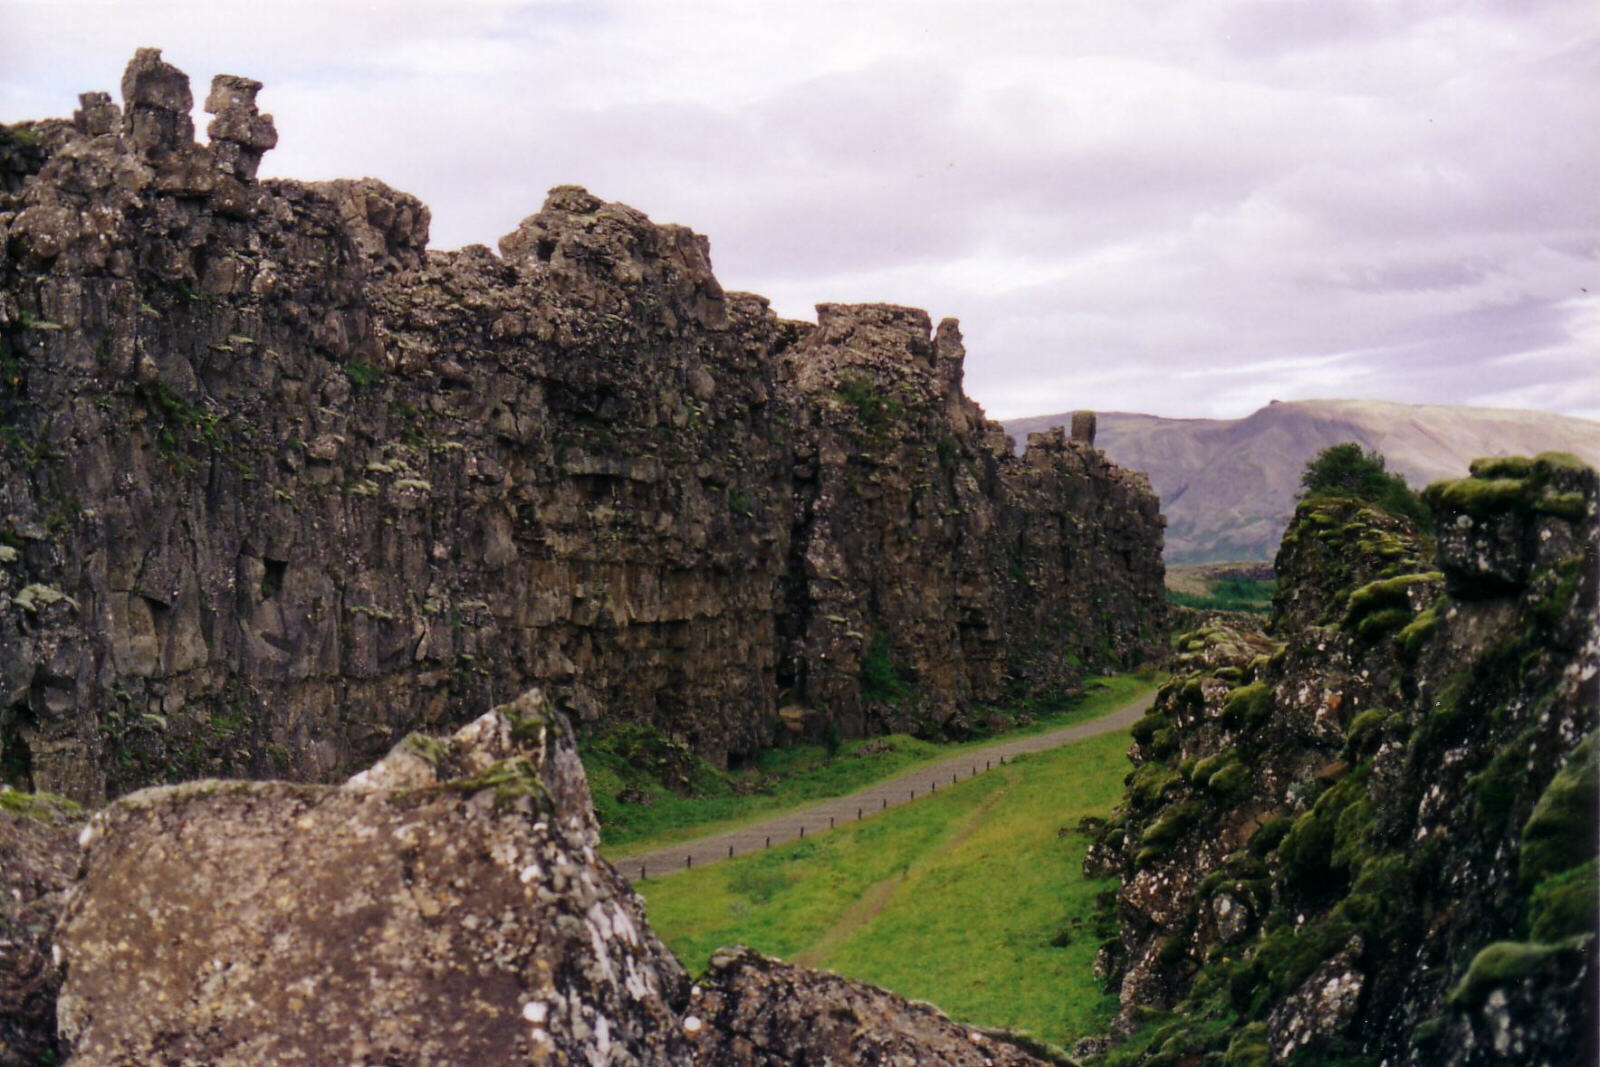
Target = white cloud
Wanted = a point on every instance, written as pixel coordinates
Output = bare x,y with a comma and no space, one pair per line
1182,206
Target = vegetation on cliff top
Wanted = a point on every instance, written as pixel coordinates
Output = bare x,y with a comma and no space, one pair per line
1344,470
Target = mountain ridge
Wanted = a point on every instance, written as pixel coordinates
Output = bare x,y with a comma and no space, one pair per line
1227,486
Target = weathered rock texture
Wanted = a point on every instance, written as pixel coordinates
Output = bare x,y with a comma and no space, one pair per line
38,861
278,484
1371,835
752,1011
444,906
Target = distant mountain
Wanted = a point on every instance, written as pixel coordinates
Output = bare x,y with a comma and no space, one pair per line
1227,486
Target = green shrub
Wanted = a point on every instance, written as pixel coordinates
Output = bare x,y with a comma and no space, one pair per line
882,680
872,408
1344,470
363,375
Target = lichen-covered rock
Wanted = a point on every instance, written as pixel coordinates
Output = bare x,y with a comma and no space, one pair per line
38,861
297,485
446,906
749,1010
1372,831
1321,1007
1511,515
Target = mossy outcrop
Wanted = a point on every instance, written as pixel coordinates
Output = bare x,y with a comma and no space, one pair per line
278,484
1400,864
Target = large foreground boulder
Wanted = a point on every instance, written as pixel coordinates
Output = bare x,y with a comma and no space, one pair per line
446,906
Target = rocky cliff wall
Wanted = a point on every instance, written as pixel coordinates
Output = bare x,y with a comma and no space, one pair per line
278,484
1370,834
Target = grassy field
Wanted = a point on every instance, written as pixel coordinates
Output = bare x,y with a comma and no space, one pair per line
1222,586
781,780
973,899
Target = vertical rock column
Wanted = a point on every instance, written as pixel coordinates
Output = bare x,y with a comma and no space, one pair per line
158,101
240,135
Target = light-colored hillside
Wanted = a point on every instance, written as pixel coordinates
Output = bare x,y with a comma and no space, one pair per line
1227,486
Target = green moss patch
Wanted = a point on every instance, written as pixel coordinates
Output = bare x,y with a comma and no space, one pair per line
1249,705
1173,824
1150,783
1384,606
1326,843
1561,832
1500,964
1416,633
1566,905
47,808
1505,484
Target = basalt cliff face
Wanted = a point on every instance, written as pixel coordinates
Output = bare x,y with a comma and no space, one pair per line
1368,835
278,484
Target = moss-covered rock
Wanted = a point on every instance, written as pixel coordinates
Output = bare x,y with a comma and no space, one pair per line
1566,905
1415,774
1561,833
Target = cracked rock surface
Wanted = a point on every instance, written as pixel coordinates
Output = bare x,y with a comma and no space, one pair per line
446,906
280,484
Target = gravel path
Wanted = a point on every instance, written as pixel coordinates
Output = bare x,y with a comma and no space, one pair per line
890,793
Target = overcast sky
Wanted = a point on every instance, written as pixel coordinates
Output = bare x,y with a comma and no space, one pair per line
1186,207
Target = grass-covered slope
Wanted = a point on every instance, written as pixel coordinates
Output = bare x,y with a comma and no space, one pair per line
650,791
956,899
1369,836
1222,586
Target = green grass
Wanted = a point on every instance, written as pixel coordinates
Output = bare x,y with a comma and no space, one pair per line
985,913
782,779
1230,594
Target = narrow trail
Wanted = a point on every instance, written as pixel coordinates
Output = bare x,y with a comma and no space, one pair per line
874,900
873,800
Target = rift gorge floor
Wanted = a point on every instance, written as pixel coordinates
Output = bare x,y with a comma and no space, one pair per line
972,898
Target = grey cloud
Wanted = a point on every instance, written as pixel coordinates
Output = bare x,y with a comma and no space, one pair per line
1274,27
